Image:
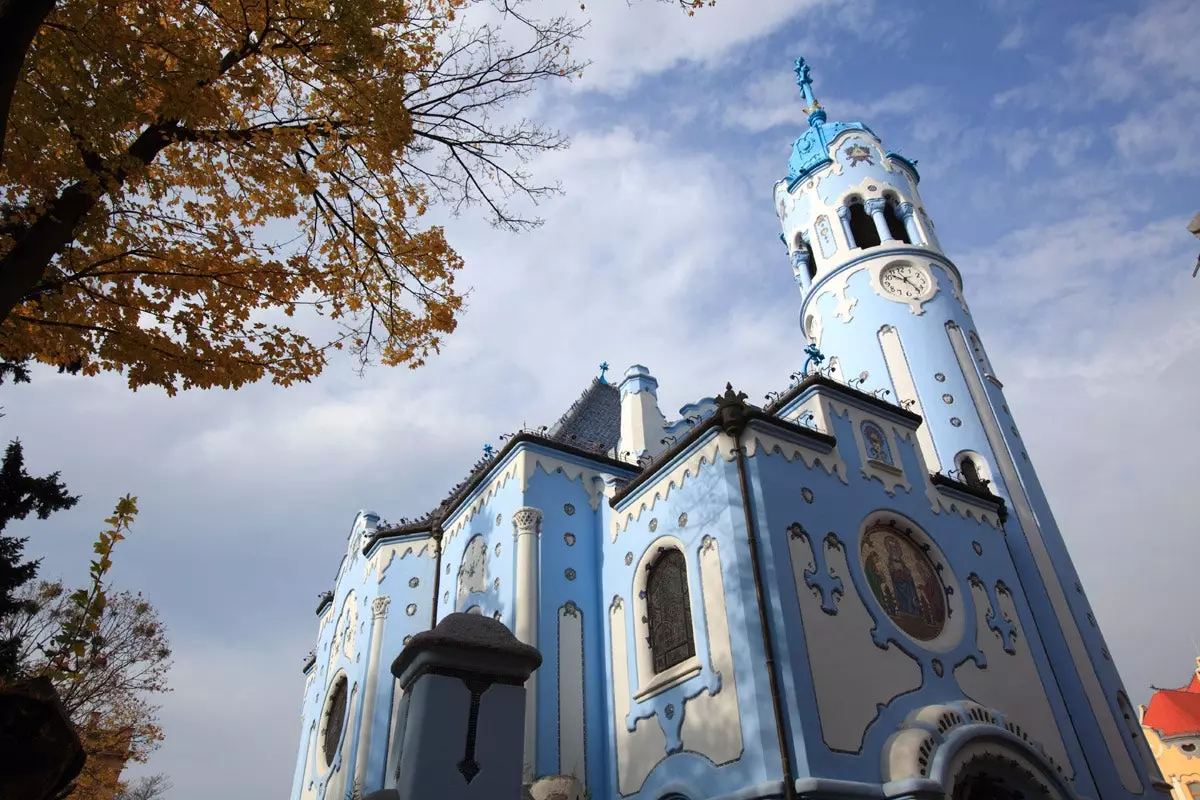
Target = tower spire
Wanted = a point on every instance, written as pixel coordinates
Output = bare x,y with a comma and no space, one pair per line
816,114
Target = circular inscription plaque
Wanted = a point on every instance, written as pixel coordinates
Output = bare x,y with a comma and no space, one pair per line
905,583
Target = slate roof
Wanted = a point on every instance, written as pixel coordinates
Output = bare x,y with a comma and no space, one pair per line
593,419
592,423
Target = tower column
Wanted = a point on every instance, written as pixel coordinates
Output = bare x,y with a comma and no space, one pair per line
843,213
800,268
908,215
875,207
527,528
379,608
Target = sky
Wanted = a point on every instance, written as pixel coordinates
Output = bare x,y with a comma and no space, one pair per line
1059,155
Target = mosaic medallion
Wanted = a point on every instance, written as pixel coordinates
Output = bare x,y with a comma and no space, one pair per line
905,583
499,519
414,583
407,639
569,573
807,494
977,547
446,596
938,669
628,559
496,584
683,519
412,609
947,399
570,509
939,377
654,525
569,538
956,422
669,711
497,550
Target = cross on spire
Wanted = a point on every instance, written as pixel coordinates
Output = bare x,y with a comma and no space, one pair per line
603,369
804,81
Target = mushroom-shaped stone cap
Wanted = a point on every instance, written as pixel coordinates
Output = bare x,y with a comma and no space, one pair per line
467,645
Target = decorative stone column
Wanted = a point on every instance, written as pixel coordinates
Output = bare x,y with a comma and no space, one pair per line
527,529
843,213
800,268
466,709
875,207
908,215
379,609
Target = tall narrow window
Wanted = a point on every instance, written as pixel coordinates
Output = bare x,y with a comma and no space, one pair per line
895,225
862,227
969,471
669,610
811,264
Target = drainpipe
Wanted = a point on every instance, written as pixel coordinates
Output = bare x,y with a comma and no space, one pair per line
732,410
437,573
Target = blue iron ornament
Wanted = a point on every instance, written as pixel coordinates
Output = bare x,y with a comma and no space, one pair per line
603,369
815,358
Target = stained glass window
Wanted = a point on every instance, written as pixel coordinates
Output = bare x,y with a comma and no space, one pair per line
335,721
970,474
669,611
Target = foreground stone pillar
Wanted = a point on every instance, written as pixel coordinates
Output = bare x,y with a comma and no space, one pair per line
464,734
527,530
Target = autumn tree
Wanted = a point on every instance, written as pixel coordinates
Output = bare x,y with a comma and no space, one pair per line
149,787
181,177
107,691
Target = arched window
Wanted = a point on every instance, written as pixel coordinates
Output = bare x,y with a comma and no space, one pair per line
811,264
862,227
895,225
969,471
669,611
335,721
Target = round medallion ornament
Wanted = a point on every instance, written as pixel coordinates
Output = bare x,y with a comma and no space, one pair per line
414,583
956,422
807,494
683,519
407,639
412,609
497,550
496,584
938,669
947,399
905,583
499,519
654,525
628,559
570,509
569,573
569,538
977,547
939,377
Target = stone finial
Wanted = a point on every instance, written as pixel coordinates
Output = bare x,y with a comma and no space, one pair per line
557,787
731,406
467,643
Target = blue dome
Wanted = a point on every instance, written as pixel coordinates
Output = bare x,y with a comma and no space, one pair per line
811,150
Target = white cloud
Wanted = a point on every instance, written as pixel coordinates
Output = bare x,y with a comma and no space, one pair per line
1016,36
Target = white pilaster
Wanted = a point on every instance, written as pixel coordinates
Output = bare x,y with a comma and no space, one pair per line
527,527
379,607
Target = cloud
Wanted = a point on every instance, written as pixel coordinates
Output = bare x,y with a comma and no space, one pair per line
1015,38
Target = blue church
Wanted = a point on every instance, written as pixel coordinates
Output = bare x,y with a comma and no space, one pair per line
857,590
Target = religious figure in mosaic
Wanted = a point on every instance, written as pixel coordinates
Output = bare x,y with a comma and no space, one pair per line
904,582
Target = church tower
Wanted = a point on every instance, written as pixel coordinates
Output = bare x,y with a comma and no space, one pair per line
885,304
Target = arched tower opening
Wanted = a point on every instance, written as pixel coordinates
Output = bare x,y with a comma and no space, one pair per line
895,225
862,227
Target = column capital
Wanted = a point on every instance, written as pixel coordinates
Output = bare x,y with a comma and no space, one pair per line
905,209
875,205
526,520
844,213
379,606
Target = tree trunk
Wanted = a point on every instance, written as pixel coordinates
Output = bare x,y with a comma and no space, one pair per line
19,23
